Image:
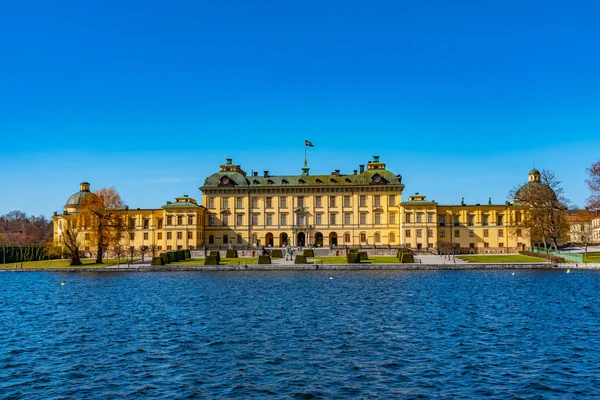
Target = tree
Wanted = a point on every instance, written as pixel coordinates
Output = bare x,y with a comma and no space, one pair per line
593,182
143,249
70,238
22,230
103,215
546,217
581,228
119,252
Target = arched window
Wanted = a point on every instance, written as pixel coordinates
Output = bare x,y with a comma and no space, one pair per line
377,237
363,237
392,237
347,237
225,239
211,239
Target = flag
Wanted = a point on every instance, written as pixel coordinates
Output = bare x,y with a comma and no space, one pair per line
308,143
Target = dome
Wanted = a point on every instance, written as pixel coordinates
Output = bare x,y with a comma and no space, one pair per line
76,198
534,172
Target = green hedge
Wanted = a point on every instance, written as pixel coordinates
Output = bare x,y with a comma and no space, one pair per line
216,253
158,261
264,259
188,253
276,253
22,253
350,251
353,258
405,256
552,259
232,253
165,258
300,259
211,260
363,255
309,253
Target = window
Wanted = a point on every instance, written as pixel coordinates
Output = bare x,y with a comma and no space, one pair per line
377,200
239,202
363,218
239,239
225,219
283,219
318,219
347,237
211,202
145,235
485,220
407,218
86,236
169,247
407,233
159,222
269,219
499,219
190,235
179,235
378,218
332,201
318,201
190,220
456,220
456,233
169,220
442,220
300,201
254,219
429,233
159,236
169,235
500,232
239,219
362,200
430,217
225,202
392,218
269,202
472,245
363,237
518,232
419,218
419,233
211,239
347,218
146,223
283,202
179,220
346,201
131,223
486,233
486,244
254,202
332,219
211,220
470,219
132,236
442,233
392,201
377,237
518,217
471,233
392,237
500,244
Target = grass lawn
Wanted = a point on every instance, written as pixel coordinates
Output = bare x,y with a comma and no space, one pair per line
342,260
592,258
87,263
224,261
502,258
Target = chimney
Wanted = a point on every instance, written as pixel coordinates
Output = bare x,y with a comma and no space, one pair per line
84,187
266,174
337,172
362,168
255,174
355,172
229,161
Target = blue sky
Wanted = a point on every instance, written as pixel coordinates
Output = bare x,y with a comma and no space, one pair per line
461,98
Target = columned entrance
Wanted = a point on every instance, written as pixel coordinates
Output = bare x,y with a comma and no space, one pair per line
333,239
283,239
269,239
319,239
300,239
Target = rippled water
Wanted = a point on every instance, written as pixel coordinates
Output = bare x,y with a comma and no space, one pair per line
278,334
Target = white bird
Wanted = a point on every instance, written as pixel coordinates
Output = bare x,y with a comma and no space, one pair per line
568,271
331,277
63,283
513,274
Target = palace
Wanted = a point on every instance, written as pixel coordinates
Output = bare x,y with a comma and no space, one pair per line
364,208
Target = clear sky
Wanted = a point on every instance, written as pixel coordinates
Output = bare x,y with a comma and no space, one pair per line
460,97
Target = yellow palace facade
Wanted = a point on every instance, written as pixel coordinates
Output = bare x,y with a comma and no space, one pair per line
364,208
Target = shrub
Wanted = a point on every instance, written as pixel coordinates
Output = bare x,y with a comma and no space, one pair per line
181,255
158,261
552,259
363,255
276,253
407,258
188,253
300,259
165,258
264,259
170,256
232,253
215,253
211,260
353,258
309,253
352,251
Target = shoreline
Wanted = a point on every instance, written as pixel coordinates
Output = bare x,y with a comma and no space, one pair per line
312,267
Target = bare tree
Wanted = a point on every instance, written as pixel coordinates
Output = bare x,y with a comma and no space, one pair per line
581,228
593,182
119,252
546,216
70,238
143,249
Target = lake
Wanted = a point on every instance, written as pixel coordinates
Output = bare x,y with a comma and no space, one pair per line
365,334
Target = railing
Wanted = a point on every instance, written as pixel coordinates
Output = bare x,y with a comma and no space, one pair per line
567,255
